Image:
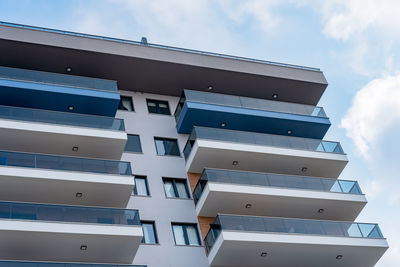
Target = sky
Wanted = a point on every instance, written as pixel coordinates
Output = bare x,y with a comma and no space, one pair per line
354,42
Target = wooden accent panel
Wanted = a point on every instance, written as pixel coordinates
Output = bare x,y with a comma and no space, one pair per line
204,223
193,179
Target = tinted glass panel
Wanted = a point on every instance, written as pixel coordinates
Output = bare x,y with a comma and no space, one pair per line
44,212
149,233
133,144
167,147
186,234
182,189
193,237
179,234
169,189
126,103
158,107
141,186
176,188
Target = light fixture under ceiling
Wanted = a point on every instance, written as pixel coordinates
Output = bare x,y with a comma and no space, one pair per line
321,211
235,162
83,247
274,96
68,69
339,257
78,194
263,254
289,131
248,206
304,169
223,124
210,87
75,148
71,108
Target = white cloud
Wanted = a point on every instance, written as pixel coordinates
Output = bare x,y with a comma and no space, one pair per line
375,107
373,189
366,31
345,18
189,23
206,25
261,11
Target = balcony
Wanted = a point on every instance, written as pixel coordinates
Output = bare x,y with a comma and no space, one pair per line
205,109
267,194
51,132
37,232
247,151
58,264
279,242
58,92
40,178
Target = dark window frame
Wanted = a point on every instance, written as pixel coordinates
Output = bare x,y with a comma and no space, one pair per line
140,145
174,180
130,101
157,107
167,139
134,191
155,232
185,235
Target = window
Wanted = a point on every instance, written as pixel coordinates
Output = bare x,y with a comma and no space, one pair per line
141,188
158,107
126,103
133,144
149,233
176,188
186,234
165,146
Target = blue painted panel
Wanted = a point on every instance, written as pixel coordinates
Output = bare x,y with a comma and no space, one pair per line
207,115
58,98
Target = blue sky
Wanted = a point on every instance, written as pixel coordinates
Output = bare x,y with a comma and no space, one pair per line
355,42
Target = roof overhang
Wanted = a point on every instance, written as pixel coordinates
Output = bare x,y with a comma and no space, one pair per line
155,68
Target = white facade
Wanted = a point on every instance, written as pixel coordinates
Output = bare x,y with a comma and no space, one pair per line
157,207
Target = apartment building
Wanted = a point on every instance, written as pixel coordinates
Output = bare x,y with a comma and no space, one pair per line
123,153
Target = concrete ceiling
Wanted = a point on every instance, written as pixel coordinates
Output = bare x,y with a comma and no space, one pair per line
154,69
243,249
278,202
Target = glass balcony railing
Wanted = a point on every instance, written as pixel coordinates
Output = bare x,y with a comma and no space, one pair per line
62,118
274,180
40,161
247,103
290,226
59,264
49,78
70,214
225,135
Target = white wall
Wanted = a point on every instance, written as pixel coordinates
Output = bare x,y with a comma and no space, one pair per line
157,207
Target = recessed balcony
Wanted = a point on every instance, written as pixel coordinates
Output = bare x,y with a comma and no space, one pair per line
51,132
267,194
248,151
37,232
42,178
213,110
279,242
58,92
59,264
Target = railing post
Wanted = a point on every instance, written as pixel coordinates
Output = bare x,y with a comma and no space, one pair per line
340,186
358,226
